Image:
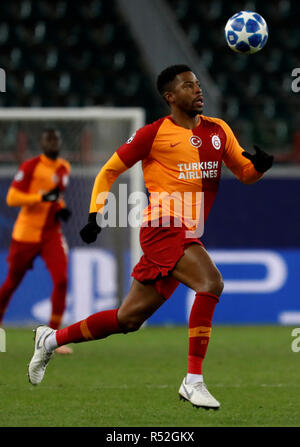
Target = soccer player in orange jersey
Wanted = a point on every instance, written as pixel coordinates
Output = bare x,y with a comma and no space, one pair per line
181,155
37,188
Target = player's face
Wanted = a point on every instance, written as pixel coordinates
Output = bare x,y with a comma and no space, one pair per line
50,143
186,94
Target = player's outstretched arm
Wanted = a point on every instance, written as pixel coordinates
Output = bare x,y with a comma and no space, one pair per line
247,167
136,148
19,198
103,182
260,160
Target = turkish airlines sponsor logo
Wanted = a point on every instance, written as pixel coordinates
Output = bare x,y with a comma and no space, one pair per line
198,170
195,141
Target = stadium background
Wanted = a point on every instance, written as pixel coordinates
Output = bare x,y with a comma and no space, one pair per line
107,53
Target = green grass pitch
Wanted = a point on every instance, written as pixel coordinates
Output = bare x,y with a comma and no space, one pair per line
133,380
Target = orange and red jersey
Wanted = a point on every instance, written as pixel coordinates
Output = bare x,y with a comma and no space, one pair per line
178,163
34,178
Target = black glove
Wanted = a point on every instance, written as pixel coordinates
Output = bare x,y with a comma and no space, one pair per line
91,230
51,196
261,160
63,214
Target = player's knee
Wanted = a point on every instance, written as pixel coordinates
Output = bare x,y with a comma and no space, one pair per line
217,286
130,324
212,284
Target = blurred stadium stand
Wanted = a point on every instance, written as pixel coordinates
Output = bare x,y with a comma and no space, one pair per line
67,54
64,53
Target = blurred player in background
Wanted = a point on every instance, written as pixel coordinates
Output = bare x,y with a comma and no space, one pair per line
37,189
181,153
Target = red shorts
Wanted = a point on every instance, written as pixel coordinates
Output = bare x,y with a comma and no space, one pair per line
162,247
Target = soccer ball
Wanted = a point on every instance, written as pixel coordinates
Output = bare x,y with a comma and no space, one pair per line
246,32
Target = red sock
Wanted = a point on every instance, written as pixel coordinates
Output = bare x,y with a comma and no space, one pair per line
96,326
200,323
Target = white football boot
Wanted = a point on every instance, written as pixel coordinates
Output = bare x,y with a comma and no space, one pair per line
41,356
198,395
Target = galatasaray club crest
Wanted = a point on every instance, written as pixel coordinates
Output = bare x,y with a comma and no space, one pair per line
216,142
195,141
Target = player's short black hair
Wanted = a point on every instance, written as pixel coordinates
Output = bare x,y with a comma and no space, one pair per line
50,129
168,75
